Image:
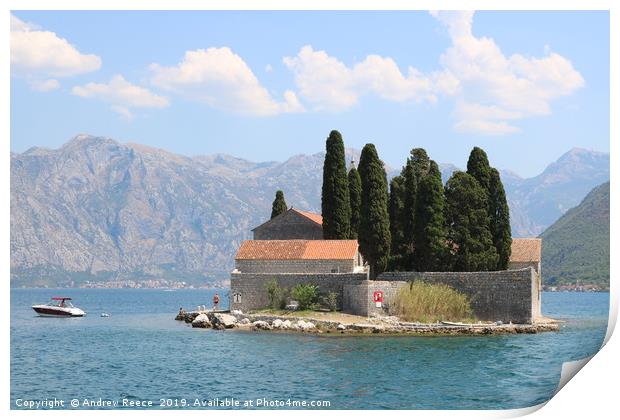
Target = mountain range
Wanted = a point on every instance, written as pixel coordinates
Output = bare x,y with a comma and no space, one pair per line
97,210
576,247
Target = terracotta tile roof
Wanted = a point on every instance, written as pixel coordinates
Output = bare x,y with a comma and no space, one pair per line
526,250
316,218
330,250
297,249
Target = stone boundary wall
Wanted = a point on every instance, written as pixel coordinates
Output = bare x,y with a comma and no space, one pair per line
253,294
518,265
507,296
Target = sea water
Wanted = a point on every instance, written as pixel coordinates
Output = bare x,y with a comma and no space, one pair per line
140,355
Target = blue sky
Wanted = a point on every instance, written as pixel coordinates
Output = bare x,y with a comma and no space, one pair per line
525,86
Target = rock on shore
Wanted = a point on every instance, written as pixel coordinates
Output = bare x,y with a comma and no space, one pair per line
222,321
189,317
216,320
261,325
304,325
201,321
259,322
180,316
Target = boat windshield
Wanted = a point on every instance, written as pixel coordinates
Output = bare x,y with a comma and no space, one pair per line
60,303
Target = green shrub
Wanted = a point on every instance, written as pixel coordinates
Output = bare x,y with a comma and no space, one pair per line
274,294
306,295
330,300
423,302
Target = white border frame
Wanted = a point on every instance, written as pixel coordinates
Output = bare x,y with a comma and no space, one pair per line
593,393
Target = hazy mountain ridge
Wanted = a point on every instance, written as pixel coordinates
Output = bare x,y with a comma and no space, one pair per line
561,186
94,208
537,202
576,247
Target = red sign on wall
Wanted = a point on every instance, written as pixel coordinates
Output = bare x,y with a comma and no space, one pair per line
377,296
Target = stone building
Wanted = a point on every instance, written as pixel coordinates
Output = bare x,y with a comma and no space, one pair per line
331,265
298,256
292,224
289,249
526,252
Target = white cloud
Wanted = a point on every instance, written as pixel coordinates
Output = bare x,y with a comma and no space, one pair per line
291,103
487,119
458,23
44,85
383,77
221,79
123,111
122,95
330,85
485,126
19,25
43,54
492,91
322,80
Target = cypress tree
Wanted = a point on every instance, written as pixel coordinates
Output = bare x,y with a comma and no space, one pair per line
434,171
469,235
335,204
279,205
430,223
374,233
415,169
500,220
410,189
420,161
478,167
396,207
355,198
499,215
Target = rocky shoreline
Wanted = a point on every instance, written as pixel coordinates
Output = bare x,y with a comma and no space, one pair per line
391,325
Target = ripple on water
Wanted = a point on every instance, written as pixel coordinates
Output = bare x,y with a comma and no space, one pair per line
141,353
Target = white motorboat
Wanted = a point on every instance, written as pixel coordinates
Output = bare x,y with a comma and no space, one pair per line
58,307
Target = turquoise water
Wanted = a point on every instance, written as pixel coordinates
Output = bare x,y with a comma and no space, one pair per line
141,353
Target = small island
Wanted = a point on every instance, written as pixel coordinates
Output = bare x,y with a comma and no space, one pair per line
419,257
